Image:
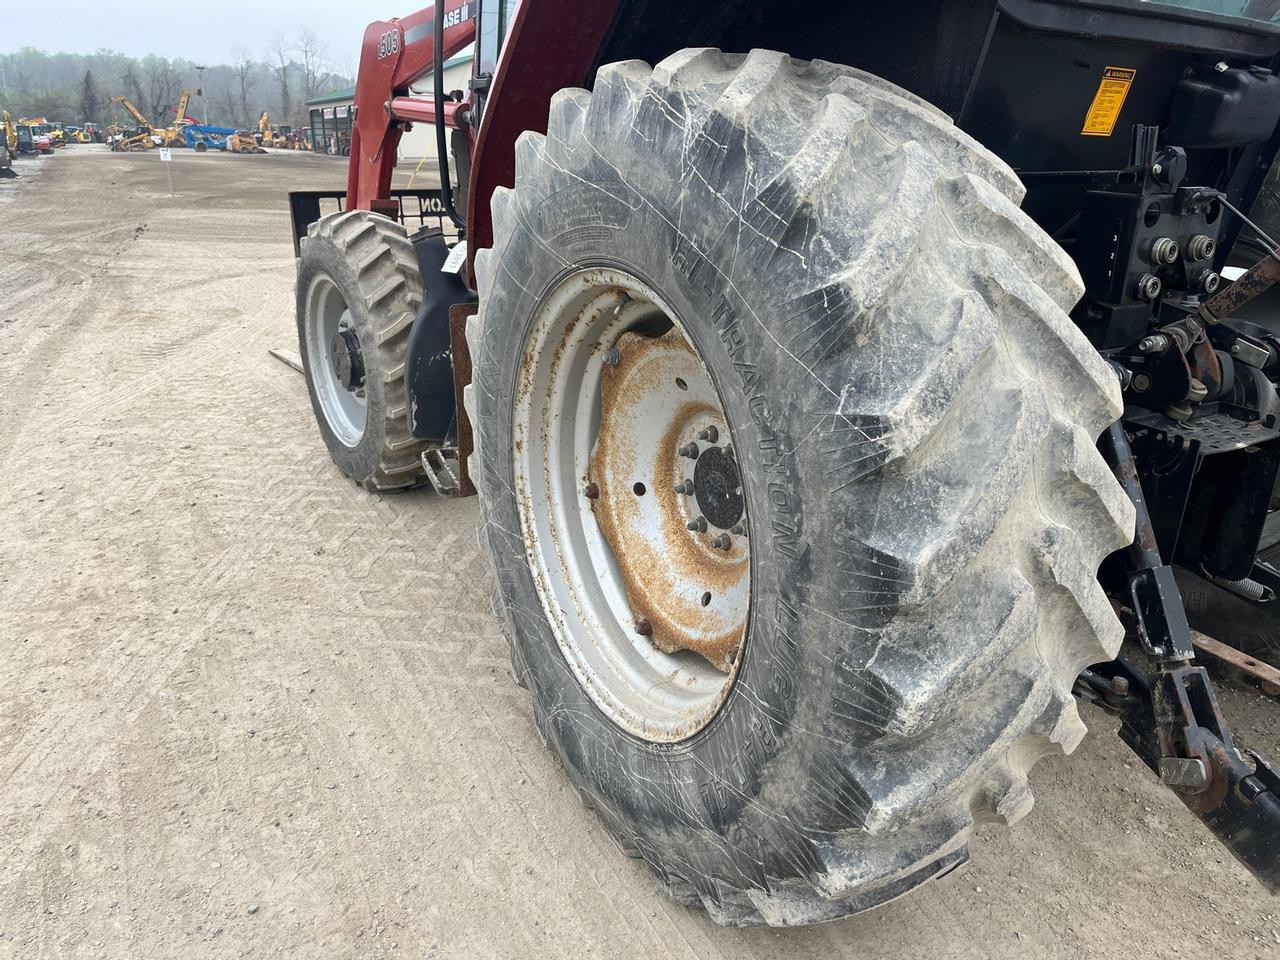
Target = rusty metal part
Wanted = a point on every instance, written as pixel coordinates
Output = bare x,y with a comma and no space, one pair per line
604,568
668,553
1206,367
1254,282
458,316
1237,664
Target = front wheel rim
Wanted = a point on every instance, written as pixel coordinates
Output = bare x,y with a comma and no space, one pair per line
644,575
327,315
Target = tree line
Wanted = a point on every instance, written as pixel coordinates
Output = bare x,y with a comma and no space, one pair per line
77,88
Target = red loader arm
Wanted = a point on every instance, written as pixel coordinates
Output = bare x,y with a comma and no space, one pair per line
394,54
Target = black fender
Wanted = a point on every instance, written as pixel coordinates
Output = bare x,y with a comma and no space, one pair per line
431,406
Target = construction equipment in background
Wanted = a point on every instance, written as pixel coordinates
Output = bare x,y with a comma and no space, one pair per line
242,141
180,117
8,152
10,134
89,133
33,140
142,137
42,126
172,135
42,130
272,135
202,137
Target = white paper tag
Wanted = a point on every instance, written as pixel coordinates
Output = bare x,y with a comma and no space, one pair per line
166,154
456,260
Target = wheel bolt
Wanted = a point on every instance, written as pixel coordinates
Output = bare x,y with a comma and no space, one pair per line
689,450
644,628
739,529
612,357
711,434
592,491
722,542
684,487
699,525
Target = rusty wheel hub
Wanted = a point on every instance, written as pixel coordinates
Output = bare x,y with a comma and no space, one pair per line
632,505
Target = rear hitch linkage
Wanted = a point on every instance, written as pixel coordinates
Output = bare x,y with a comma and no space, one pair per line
1169,713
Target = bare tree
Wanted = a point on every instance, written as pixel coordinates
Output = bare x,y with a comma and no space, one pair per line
90,102
132,88
225,101
244,67
164,84
279,55
314,56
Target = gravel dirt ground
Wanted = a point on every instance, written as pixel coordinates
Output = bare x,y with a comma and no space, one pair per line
247,709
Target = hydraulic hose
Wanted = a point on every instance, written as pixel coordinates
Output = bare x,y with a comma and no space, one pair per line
442,140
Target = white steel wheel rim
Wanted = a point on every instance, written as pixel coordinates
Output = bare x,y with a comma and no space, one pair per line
586,344
346,411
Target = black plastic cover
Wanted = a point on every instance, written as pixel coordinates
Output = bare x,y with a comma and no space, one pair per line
1224,109
432,407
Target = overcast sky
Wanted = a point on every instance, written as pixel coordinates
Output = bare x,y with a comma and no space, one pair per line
206,32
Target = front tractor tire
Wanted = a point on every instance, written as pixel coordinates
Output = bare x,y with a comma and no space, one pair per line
358,292
817,276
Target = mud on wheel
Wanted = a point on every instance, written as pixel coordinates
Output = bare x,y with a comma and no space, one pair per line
358,293
785,445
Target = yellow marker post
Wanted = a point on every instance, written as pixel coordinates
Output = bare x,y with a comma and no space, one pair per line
1105,109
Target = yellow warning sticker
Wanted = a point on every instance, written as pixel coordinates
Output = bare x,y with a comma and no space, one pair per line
1101,118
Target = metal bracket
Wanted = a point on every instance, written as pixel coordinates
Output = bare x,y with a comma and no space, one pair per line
1161,618
444,471
1170,712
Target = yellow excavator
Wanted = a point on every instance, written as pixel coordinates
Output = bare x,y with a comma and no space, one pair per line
172,136
10,135
275,137
140,140
8,149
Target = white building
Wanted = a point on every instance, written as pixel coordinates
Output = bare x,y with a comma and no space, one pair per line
331,115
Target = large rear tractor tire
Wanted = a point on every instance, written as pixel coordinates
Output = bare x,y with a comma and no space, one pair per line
786,451
358,293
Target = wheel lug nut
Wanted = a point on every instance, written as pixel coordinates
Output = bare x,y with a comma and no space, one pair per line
722,542
711,434
739,529
644,628
592,491
612,357
684,487
699,525
689,450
